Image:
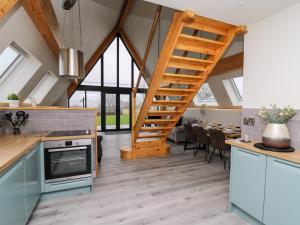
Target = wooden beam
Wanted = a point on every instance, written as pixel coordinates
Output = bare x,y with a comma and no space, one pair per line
151,35
42,15
6,6
133,52
124,13
229,63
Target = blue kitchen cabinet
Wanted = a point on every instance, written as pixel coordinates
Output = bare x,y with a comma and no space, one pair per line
12,195
282,194
32,180
247,181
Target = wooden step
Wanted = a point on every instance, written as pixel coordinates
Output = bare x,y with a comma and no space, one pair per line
181,78
168,103
189,60
174,92
196,44
151,129
209,25
151,135
158,121
162,112
187,63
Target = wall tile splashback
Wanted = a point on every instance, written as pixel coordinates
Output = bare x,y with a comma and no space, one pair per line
255,132
51,120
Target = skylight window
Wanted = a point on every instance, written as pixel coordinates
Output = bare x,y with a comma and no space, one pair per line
234,88
9,60
42,88
205,96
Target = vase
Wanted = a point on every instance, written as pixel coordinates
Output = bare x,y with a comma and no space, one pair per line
276,136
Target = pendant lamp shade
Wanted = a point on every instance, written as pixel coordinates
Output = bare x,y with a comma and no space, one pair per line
71,65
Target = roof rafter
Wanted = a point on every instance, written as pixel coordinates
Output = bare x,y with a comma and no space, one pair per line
43,16
6,6
229,63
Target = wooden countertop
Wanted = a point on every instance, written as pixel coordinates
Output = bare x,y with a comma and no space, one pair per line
13,147
289,156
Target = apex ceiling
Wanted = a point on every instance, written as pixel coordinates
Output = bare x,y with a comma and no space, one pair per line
236,12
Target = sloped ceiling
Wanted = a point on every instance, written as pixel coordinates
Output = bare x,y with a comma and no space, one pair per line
231,11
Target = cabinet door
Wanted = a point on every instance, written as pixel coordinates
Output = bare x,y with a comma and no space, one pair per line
12,196
32,180
247,181
282,195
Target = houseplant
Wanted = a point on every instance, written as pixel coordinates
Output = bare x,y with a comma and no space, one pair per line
276,133
203,109
13,100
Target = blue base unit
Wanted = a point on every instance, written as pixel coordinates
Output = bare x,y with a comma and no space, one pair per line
68,184
264,189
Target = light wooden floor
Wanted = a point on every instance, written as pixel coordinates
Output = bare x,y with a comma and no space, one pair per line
179,189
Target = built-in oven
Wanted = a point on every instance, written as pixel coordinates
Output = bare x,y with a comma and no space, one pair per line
67,159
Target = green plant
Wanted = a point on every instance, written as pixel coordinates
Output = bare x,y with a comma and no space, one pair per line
13,96
277,115
203,109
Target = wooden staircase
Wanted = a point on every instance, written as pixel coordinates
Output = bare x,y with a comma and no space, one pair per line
185,62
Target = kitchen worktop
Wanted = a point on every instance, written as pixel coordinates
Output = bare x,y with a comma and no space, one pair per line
289,156
14,147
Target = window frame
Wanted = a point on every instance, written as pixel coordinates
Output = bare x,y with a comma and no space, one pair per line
215,103
14,64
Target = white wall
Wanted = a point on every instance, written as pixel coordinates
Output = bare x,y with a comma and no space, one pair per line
272,62
224,116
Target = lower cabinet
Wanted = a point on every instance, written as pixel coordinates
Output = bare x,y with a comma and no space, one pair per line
282,194
247,182
12,195
20,189
32,180
266,188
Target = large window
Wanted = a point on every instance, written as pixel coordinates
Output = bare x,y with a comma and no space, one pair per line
9,60
238,83
205,96
107,87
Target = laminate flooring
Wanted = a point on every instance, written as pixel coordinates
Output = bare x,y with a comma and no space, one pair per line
174,190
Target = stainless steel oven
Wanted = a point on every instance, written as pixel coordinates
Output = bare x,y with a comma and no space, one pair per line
67,159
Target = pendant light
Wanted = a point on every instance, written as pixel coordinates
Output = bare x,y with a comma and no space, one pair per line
71,62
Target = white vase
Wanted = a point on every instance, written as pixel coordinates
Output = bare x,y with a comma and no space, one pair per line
14,103
276,135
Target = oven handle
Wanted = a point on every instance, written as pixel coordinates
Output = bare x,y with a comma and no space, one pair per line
67,149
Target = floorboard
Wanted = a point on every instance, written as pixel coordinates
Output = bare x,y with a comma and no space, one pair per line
176,190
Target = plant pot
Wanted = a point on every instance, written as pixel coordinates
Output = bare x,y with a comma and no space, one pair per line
276,136
14,103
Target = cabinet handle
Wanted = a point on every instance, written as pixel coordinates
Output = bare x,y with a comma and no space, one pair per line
286,163
250,153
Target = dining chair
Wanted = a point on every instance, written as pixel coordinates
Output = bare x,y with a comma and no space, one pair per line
203,140
217,139
190,136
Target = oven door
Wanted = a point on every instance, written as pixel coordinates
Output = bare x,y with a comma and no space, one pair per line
67,163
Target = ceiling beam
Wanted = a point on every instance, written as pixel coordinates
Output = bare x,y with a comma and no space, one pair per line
6,6
229,63
124,13
43,16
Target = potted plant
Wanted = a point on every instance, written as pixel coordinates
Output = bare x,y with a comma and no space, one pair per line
13,100
276,133
203,109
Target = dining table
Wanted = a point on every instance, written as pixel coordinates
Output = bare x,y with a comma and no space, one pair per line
234,134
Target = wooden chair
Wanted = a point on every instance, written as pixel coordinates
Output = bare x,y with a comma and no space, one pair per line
203,140
217,139
190,136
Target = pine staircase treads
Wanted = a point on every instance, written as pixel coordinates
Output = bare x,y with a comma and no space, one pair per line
170,93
